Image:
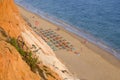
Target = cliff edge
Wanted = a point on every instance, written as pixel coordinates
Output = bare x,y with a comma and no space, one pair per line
15,61
12,65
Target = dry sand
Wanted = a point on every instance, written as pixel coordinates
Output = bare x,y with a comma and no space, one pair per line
93,63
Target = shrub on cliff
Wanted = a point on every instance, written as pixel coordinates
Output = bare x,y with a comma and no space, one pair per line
27,56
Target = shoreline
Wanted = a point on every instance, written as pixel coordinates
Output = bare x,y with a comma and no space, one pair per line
77,32
104,54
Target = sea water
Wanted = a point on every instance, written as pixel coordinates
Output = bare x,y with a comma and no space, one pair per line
96,20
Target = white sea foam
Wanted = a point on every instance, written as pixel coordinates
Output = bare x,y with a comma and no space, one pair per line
70,28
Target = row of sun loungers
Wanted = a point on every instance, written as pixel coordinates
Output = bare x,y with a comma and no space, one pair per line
55,41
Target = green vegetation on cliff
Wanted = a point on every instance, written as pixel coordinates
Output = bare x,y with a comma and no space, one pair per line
27,56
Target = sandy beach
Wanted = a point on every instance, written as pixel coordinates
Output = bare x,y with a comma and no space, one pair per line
84,59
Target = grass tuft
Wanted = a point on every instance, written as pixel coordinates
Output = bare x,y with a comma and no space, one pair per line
27,56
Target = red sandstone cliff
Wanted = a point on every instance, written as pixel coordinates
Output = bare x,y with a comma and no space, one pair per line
12,66
8,19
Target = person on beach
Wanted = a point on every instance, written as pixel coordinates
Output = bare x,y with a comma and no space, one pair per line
85,42
77,53
33,17
58,29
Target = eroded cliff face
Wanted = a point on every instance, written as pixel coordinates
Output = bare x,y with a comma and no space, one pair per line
12,66
10,20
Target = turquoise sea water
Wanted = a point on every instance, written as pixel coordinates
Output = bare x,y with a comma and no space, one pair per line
99,18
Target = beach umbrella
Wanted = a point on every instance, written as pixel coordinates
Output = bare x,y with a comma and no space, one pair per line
41,29
73,48
36,23
58,29
77,53
68,42
51,36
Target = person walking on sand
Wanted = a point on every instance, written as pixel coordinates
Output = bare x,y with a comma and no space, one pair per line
85,42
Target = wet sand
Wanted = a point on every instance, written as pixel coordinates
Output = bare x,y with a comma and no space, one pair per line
90,62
